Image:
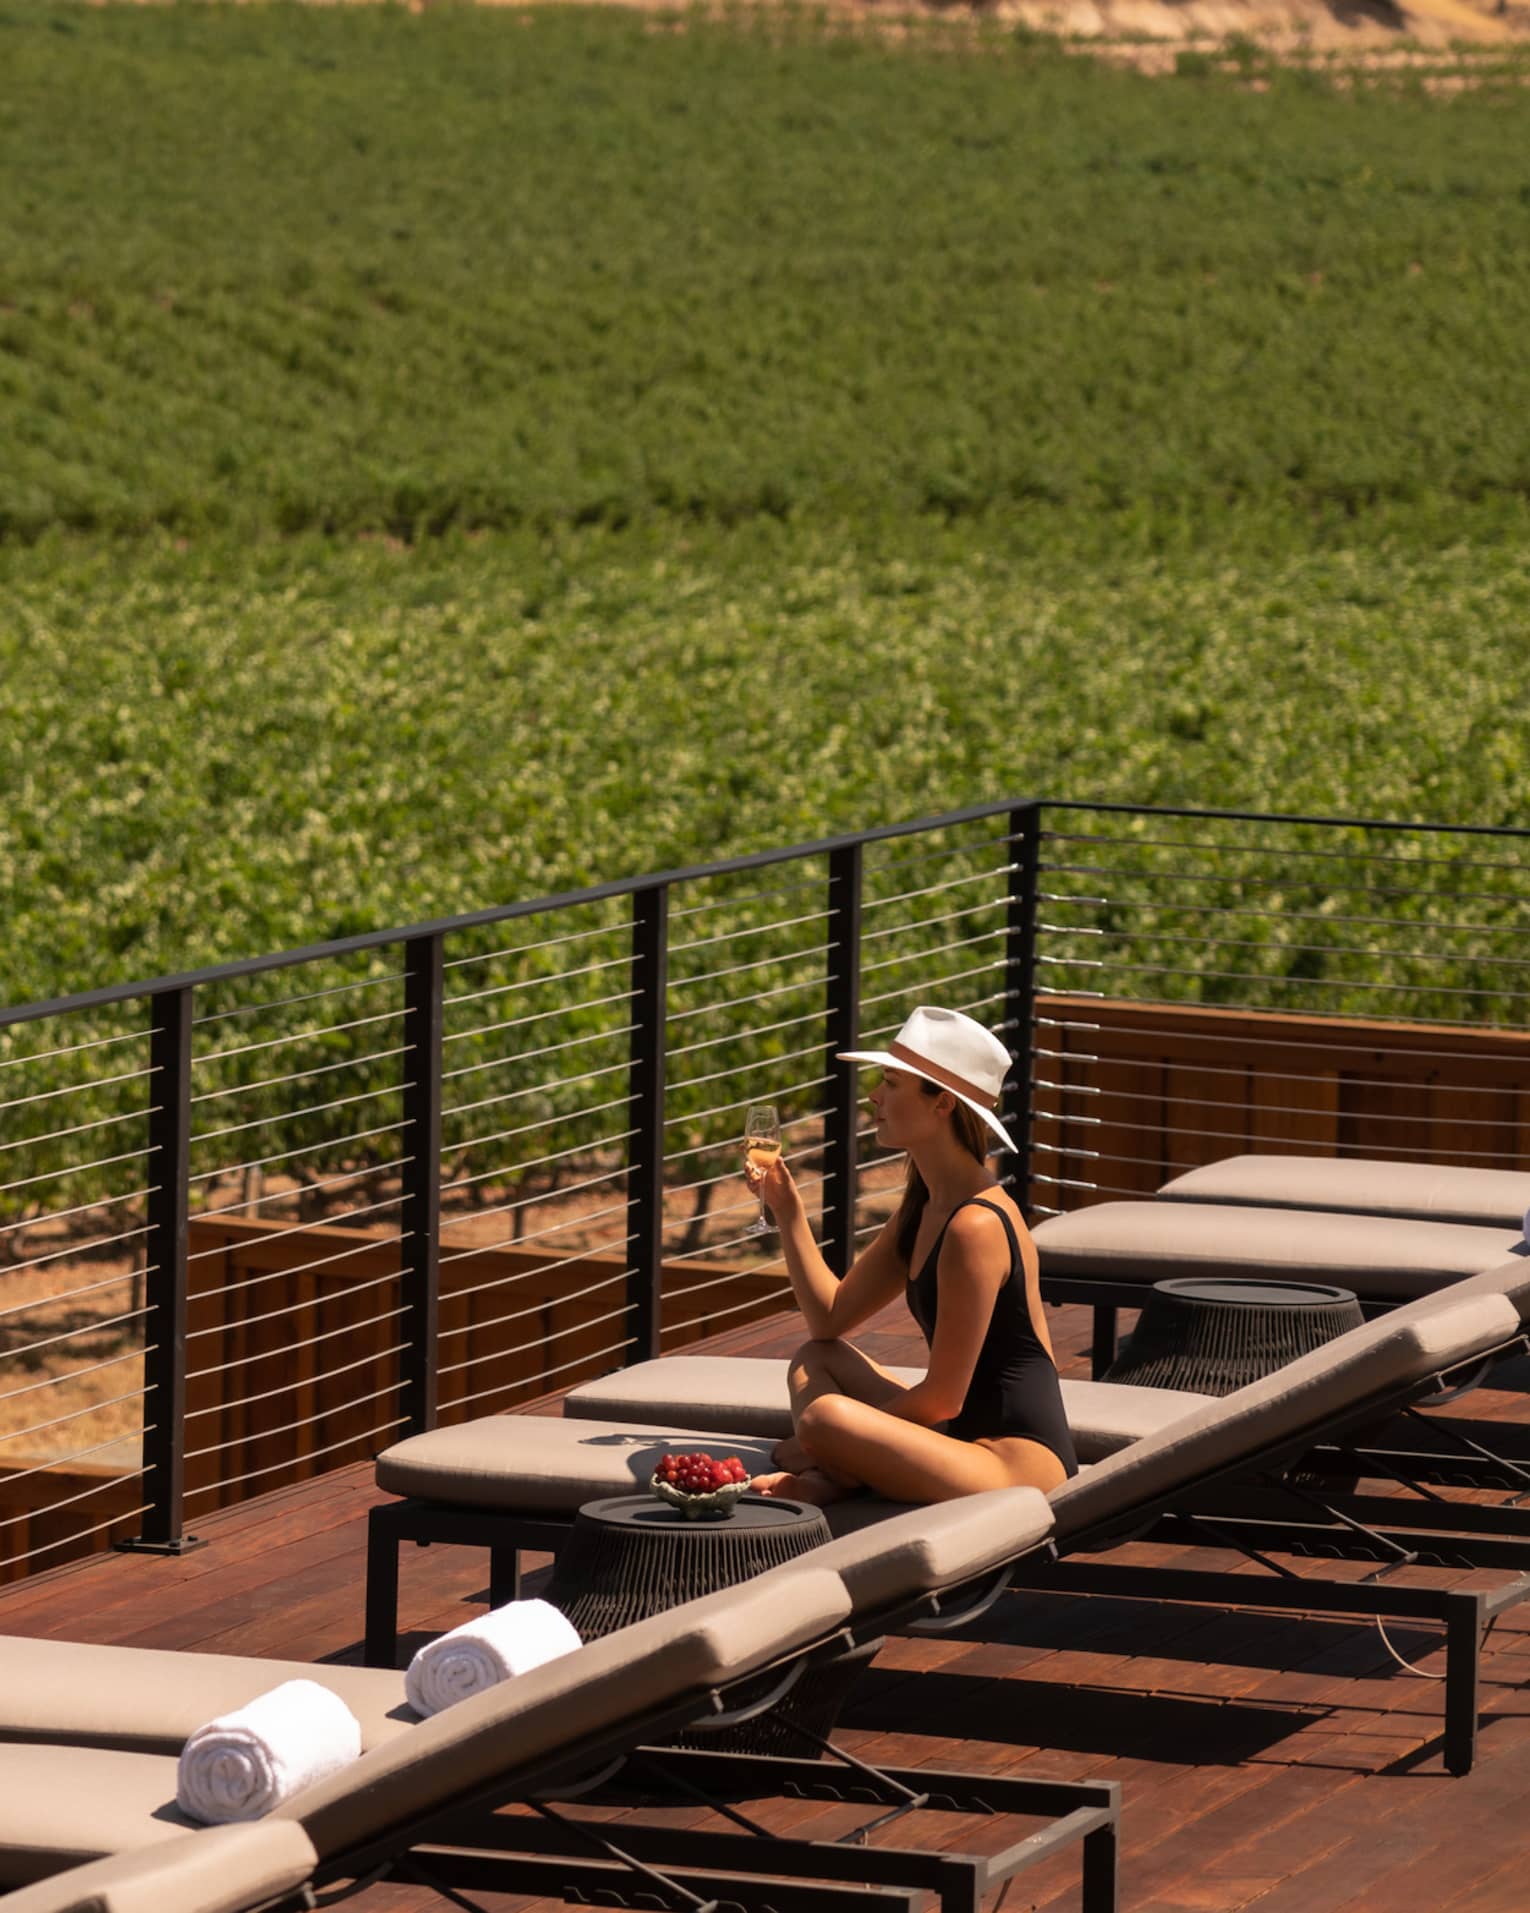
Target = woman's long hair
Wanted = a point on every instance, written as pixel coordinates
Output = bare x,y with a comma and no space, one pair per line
971,1133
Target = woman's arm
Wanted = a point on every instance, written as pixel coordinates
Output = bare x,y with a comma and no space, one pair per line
830,1307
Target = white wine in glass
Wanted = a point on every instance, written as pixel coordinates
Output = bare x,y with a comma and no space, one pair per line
762,1151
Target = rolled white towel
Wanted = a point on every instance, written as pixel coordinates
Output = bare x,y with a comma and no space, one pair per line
507,1640
243,1764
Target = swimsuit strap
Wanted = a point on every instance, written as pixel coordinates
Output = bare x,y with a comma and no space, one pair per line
982,1202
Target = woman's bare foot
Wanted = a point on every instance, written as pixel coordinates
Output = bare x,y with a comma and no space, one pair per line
809,1485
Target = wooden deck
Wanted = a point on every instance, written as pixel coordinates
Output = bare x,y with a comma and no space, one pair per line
1266,1761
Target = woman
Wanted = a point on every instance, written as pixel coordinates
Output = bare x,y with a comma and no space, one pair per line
989,1412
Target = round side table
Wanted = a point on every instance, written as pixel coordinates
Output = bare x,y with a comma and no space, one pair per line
1214,1336
632,1556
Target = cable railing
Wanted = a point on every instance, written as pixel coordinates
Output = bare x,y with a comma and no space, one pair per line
261,1219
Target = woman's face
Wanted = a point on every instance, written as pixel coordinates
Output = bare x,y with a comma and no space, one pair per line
904,1113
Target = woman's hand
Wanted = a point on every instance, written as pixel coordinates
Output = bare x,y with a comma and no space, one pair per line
776,1188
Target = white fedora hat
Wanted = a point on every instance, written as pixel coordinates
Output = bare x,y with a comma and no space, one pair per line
945,1047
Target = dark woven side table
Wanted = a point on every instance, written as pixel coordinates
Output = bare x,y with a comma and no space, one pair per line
1213,1336
633,1556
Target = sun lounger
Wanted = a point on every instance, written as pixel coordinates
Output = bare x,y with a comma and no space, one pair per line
1356,1185
1110,1254
77,1797
222,1870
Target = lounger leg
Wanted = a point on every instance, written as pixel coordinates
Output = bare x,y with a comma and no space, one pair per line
380,1648
504,1576
1103,1351
1100,1893
1463,1659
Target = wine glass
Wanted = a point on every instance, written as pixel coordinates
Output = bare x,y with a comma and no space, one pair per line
762,1150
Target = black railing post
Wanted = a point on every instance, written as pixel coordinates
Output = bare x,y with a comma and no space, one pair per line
1020,994
420,1209
164,1290
645,1118
844,1026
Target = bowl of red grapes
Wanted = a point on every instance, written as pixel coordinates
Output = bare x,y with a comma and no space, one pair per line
698,1485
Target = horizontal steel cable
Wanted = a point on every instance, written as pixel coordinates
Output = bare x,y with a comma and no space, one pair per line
891,863
307,1149
305,1228
772,1300
537,1381
546,1049
296,1036
740,1002
304,1189
1436,1088
1415,1150
540,1016
935,889
80,1209
291,1115
756,963
526,1056
938,982
753,896
538,1089
1369,953
528,1202
927,923
307,996
968,1009
736,1143
586,1254
79,1534
554,1335
754,930
743,1102
74,1374
1298,883
73,1169
532,1308
536,1162
75,1414
267,1354
75,1089
306,1421
545,943
312,1454
1290,982
710,1182
93,1327
745,1069
1348,855
79,1129
73,1049
745,1036
940,949
1281,1042
546,980
301,1075
37,1302
68,1501
62,1461
1286,1109
270,1315
1137,907
536,1235
542,1122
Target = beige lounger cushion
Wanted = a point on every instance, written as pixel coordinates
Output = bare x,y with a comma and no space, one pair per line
147,1700
1427,1192
532,1461
1383,1355
221,1870
923,1550
62,1805
1378,1257
517,1727
749,1393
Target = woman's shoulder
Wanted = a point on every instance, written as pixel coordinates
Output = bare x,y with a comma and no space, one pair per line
979,1224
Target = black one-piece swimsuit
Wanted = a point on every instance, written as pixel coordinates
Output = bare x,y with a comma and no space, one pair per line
1014,1388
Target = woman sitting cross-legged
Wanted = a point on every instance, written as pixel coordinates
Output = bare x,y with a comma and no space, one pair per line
989,1411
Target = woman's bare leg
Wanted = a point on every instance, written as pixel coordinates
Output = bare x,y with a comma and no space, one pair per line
851,1442
830,1368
